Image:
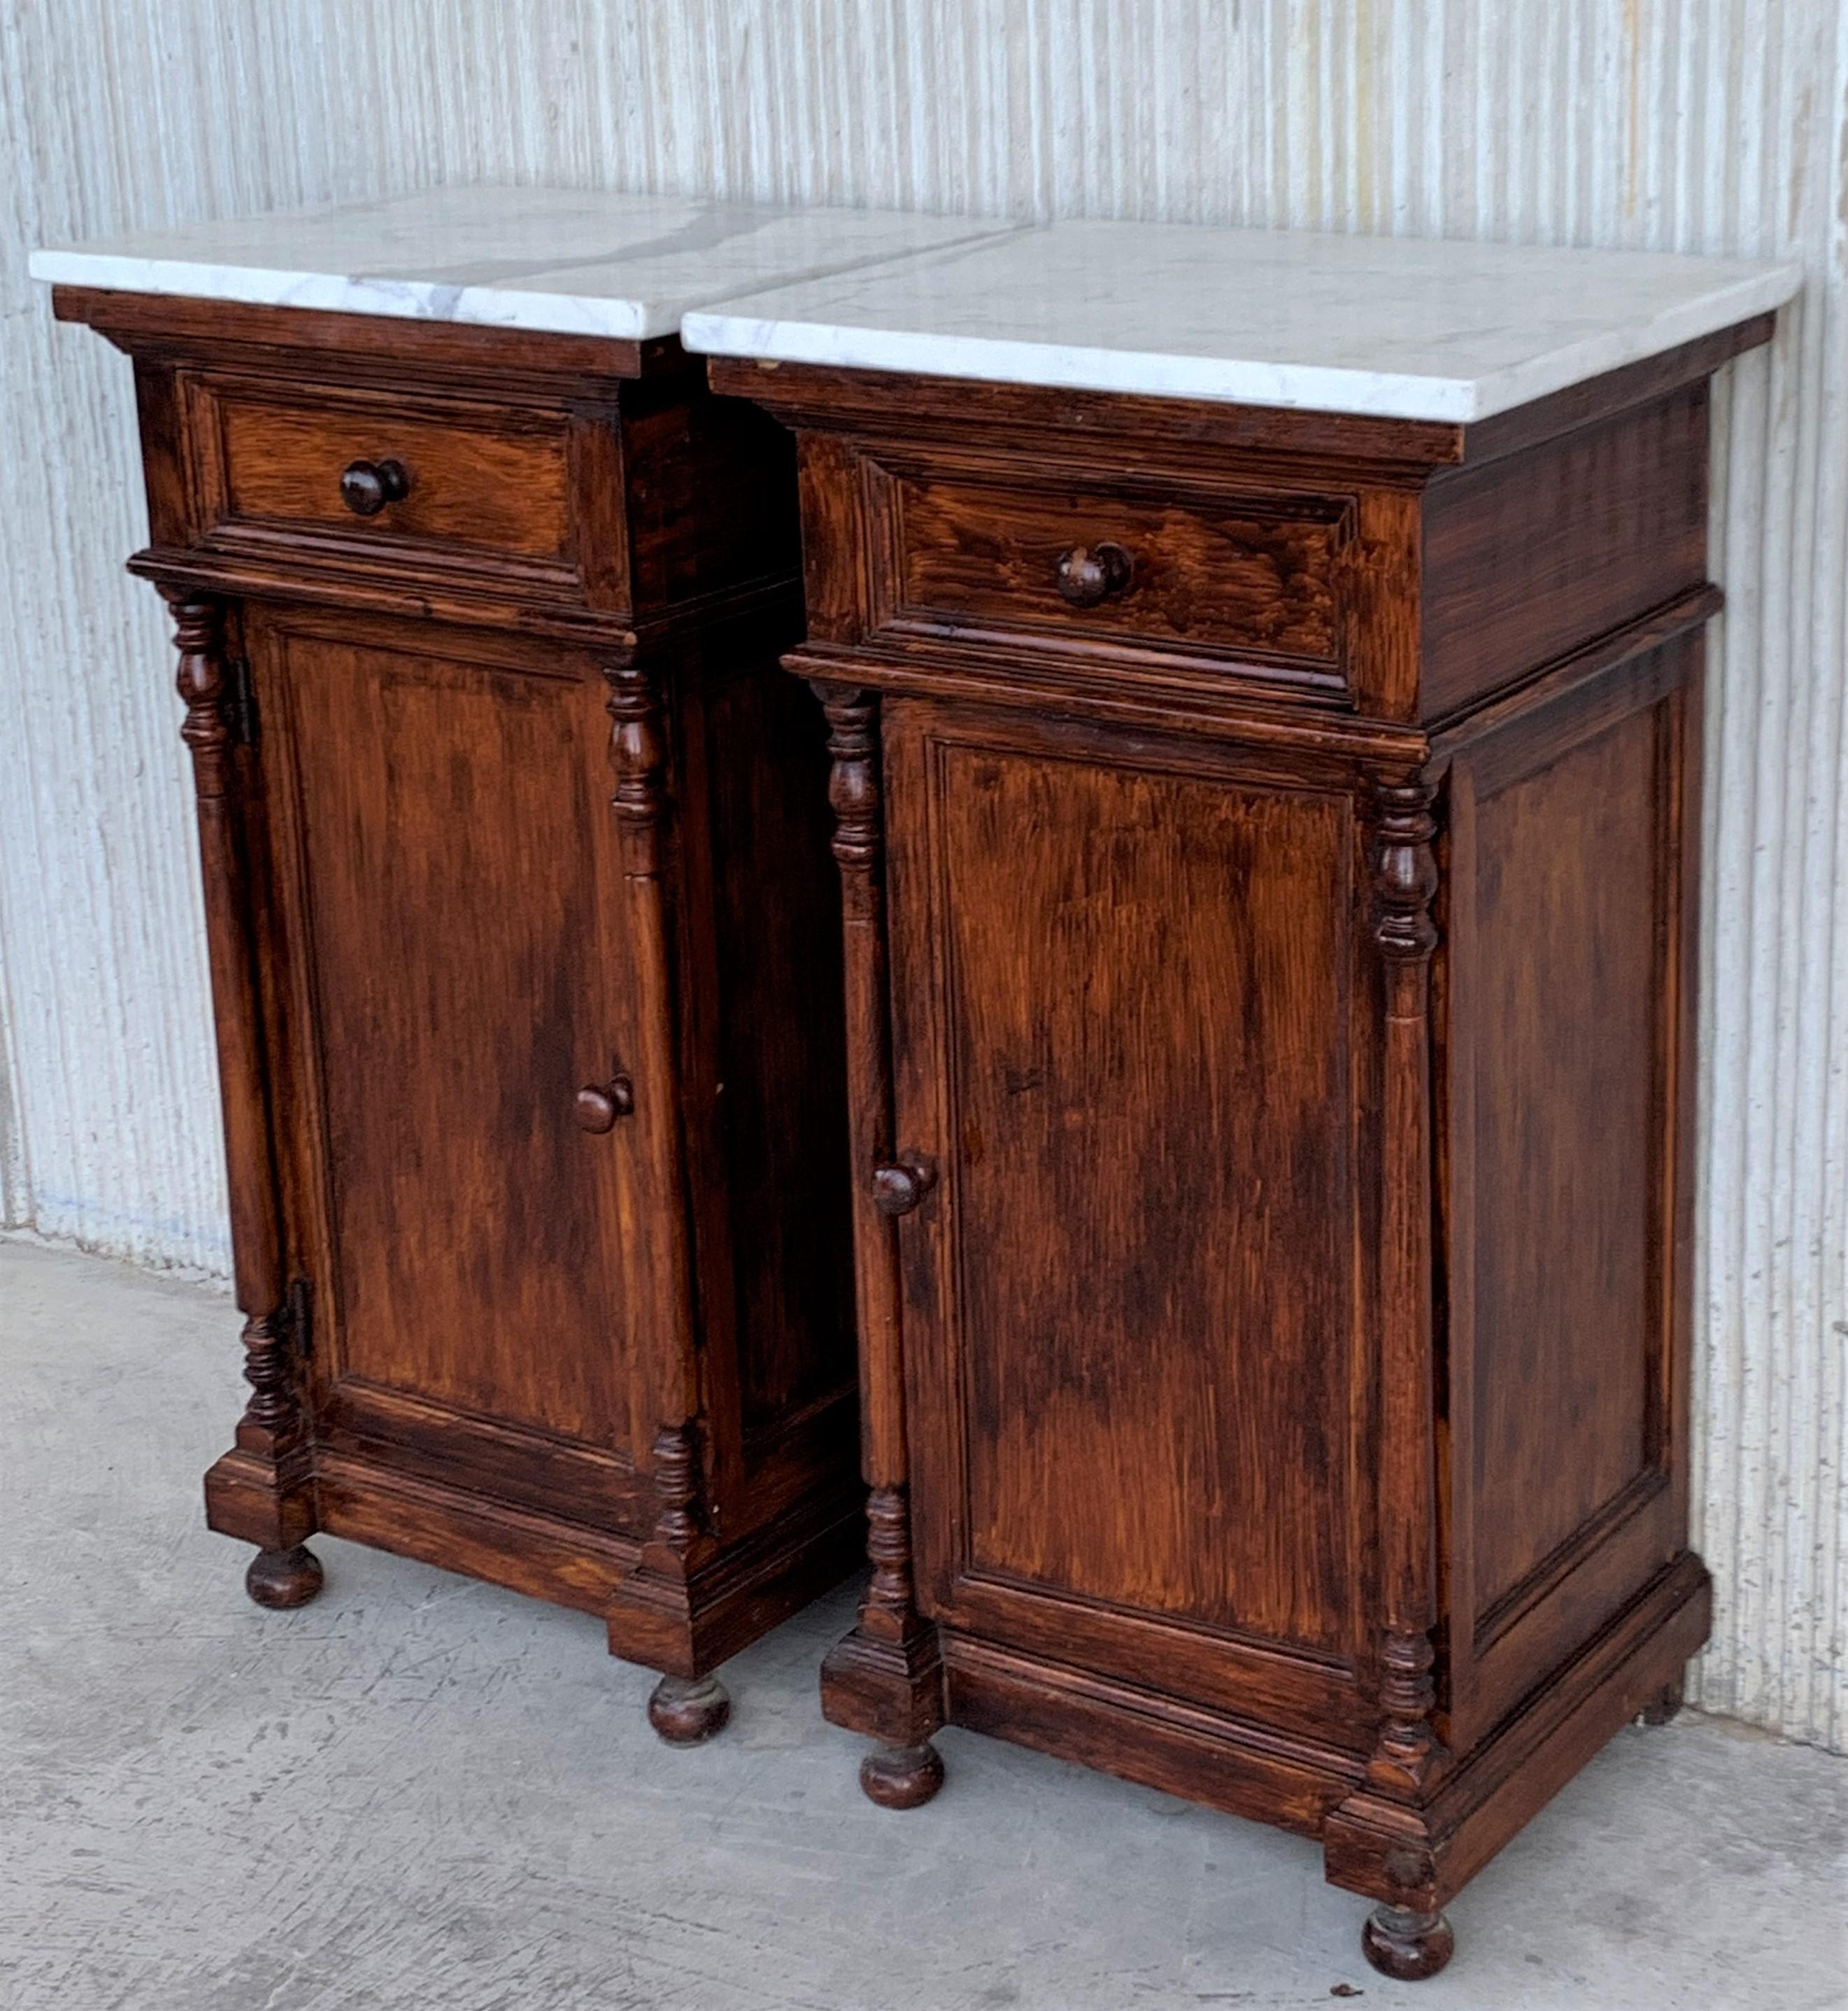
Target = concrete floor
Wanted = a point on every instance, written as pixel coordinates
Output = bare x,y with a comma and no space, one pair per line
420,1792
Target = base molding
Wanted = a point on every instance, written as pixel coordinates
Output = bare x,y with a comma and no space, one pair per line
1415,1858
268,1503
683,1630
892,1691
688,1626
1200,1753
543,1556
1418,1858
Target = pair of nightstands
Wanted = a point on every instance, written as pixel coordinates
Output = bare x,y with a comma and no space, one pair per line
1246,1120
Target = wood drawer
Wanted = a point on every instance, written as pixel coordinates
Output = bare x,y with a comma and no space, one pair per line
1231,581
452,491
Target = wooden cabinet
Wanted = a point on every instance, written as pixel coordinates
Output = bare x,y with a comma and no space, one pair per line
525,963
1268,843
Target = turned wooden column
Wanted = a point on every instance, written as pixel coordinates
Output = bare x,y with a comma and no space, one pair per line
689,1703
885,1678
259,1490
1411,1939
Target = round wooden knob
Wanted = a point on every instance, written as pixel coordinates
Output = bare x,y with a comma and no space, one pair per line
1088,573
366,487
898,1189
598,1106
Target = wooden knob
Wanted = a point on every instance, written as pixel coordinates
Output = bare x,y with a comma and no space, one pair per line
897,1189
597,1107
367,485
1088,573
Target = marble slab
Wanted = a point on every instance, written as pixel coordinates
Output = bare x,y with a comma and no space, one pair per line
1393,327
559,259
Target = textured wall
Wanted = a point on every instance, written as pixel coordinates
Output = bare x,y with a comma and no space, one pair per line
1715,126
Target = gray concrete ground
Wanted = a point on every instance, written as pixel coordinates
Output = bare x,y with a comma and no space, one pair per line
420,1792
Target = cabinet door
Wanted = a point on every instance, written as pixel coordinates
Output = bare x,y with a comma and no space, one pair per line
1126,975
451,964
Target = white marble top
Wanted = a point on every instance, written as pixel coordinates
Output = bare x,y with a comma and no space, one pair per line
568,261
1395,327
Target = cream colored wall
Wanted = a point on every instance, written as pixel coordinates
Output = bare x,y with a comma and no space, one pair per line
1692,125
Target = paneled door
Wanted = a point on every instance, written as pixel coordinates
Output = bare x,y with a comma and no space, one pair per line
1131,1032
450,978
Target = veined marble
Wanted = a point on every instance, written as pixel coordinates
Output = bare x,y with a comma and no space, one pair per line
1394,327
570,261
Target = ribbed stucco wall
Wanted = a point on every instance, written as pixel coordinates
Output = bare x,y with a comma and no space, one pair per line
1714,126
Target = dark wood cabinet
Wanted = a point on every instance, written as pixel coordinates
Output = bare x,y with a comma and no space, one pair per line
1268,843
525,963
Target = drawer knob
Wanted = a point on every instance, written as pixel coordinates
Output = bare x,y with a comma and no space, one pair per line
367,486
898,1189
597,1106
1088,573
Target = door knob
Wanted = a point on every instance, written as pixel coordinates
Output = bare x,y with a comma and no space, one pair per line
1088,573
597,1106
366,487
898,1189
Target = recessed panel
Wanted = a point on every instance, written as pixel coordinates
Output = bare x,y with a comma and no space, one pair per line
1563,975
462,945
467,485
1217,580
1145,1003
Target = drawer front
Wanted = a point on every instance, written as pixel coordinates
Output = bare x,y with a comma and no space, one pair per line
1230,580
451,491
464,485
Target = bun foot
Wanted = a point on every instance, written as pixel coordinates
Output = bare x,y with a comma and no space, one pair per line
280,1579
1410,1946
687,1710
902,1777
1664,1707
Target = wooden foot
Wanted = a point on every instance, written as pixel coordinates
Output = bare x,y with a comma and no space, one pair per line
687,1710
1664,1706
1409,1946
282,1579
902,1777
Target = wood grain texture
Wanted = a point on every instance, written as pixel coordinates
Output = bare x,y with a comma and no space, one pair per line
1566,1066
1271,572
349,345
592,489
516,919
1404,882
1257,581
777,1085
959,410
263,1489
1124,1034
469,1215
505,499
1536,551
1286,1140
1461,121
1569,1112
470,477
708,488
885,1678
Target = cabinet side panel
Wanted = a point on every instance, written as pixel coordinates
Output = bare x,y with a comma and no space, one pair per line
1529,556
710,486
1563,970
782,1107
1143,988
